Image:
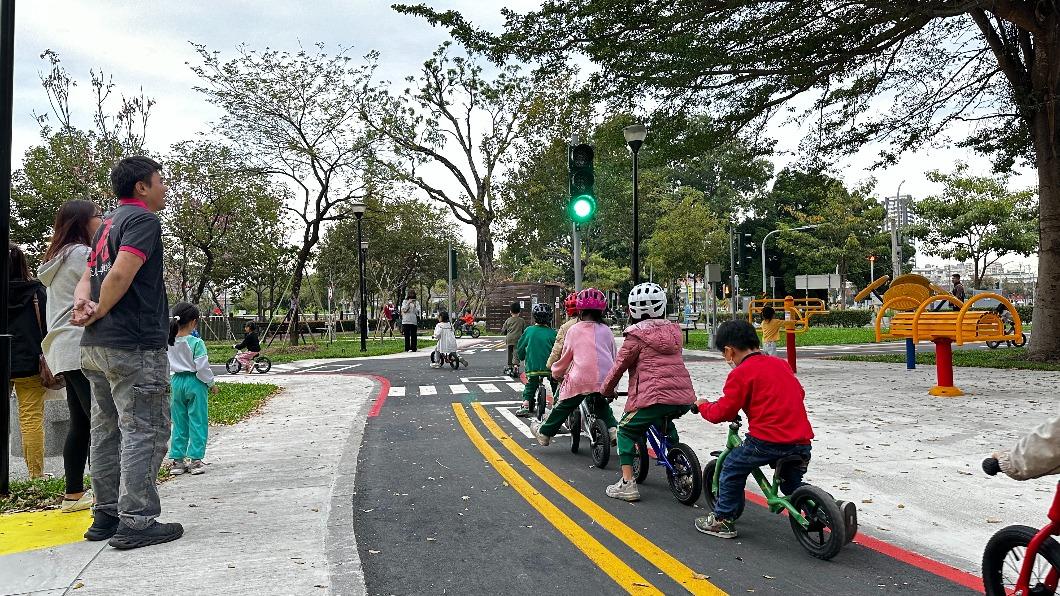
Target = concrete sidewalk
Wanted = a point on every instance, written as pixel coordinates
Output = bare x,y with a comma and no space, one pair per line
272,513
910,461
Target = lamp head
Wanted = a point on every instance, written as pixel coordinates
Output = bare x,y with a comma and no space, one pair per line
635,134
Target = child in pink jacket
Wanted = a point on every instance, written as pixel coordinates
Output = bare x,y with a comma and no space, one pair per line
659,384
588,354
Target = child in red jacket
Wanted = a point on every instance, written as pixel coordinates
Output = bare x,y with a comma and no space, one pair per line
777,426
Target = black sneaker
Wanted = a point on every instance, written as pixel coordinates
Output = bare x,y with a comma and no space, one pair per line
156,533
103,527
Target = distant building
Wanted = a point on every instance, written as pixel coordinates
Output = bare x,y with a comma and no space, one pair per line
899,210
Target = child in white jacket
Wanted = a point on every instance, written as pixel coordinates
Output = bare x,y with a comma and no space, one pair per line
191,379
443,332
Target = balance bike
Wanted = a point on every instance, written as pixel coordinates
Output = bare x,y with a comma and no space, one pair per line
681,463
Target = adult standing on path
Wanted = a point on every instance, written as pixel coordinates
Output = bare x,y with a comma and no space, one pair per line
387,319
958,290
121,302
410,320
27,325
64,263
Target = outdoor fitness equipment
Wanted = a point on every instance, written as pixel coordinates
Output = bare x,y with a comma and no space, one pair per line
911,296
797,313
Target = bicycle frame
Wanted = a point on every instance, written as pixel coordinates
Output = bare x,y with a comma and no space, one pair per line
774,500
660,444
1051,529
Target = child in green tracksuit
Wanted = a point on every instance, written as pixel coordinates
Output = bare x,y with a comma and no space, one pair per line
534,346
190,381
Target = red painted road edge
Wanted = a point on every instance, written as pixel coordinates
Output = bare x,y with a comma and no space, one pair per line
957,576
384,390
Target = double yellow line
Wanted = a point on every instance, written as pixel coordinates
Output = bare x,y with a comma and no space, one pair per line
624,575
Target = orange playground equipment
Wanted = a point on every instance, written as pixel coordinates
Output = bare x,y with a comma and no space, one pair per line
911,298
797,320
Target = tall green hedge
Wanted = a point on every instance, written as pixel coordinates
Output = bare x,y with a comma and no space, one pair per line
835,318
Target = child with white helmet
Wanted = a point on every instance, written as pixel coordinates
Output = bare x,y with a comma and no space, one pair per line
588,353
659,384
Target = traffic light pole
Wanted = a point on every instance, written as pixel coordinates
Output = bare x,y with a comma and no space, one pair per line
577,257
732,274
7,66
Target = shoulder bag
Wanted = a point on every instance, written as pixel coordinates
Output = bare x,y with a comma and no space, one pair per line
47,379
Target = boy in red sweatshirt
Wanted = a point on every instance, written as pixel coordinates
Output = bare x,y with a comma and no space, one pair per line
777,425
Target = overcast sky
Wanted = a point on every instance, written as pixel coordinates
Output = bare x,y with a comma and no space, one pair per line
146,44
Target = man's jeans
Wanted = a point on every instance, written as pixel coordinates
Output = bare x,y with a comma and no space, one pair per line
130,429
754,453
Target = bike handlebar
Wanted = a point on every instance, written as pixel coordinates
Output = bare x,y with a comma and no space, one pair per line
990,466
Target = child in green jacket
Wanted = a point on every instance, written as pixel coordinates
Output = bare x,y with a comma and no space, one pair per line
534,346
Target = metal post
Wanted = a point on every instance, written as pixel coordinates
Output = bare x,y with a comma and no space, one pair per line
7,67
362,319
732,274
577,258
636,220
910,353
449,287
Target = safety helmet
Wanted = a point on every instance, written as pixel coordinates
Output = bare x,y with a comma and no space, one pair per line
571,304
591,299
542,313
647,300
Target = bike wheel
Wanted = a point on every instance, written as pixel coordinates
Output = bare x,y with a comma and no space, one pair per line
542,405
708,488
685,481
993,344
826,533
233,365
1022,341
454,360
574,423
262,364
458,332
1003,559
475,332
601,443
641,463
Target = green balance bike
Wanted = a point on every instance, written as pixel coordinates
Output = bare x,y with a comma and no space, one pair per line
816,518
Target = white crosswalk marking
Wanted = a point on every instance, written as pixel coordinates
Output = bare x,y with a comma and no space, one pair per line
397,391
489,388
457,389
516,386
428,390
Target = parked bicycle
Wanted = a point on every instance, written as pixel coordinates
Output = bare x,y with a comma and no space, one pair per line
816,518
1021,560
679,460
261,363
462,328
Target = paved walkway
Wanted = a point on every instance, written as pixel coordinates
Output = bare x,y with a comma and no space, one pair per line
273,509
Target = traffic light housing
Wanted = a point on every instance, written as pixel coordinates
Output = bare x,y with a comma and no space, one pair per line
745,254
582,182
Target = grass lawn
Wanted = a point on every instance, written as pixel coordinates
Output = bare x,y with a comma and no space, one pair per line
221,352
233,402
816,336
1000,358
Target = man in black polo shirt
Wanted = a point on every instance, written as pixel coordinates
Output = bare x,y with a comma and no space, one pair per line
121,301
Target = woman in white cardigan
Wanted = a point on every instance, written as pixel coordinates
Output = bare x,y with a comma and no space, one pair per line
64,263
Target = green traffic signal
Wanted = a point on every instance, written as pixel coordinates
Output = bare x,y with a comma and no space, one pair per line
581,209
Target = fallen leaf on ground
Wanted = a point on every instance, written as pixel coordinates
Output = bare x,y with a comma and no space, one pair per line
866,500
374,552
993,520
700,576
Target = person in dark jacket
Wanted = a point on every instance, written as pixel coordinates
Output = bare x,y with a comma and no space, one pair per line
251,344
27,320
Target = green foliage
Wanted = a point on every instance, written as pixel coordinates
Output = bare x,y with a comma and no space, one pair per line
844,318
976,218
603,274
34,495
1004,358
816,336
686,236
235,402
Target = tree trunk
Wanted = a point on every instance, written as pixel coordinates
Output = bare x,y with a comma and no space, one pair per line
484,247
1045,341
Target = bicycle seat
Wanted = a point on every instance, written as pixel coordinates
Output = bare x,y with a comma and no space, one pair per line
791,460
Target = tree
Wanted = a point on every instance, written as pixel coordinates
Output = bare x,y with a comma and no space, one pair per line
688,236
603,274
990,64
453,119
294,116
71,162
977,219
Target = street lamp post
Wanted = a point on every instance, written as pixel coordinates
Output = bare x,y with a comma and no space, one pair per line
764,248
362,319
7,62
635,135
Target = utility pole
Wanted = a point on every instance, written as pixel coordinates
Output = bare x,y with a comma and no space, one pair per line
732,273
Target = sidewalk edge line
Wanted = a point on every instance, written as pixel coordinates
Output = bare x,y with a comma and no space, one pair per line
652,553
384,390
608,562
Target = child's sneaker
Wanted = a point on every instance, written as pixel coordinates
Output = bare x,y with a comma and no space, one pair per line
196,467
627,491
463,362
177,467
543,440
524,411
710,524
613,433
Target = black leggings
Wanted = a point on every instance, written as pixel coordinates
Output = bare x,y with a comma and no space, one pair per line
412,339
75,451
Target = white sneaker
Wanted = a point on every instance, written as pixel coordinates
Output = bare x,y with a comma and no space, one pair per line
73,506
177,467
626,491
613,433
543,440
196,467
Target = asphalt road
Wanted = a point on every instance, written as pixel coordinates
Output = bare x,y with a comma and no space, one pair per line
444,506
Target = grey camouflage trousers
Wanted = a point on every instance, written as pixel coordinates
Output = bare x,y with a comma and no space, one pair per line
130,429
